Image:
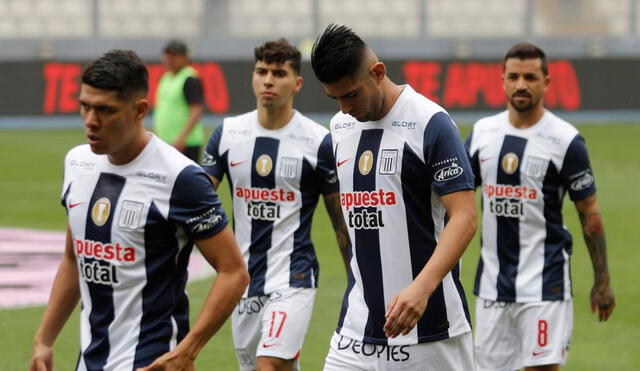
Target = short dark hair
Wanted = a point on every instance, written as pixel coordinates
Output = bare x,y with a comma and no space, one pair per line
118,70
524,51
279,51
176,47
337,53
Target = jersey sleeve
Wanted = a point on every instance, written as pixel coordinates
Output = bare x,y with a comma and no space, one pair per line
193,92
473,159
326,176
195,206
576,171
445,156
213,162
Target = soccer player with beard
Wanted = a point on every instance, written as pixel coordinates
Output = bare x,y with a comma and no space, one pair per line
525,159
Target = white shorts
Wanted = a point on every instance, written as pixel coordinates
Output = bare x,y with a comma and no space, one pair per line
510,336
454,354
272,325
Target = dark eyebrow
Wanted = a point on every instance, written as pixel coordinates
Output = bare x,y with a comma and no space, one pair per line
272,69
342,96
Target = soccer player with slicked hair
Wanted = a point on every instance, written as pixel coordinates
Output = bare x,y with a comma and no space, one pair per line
526,159
407,198
135,208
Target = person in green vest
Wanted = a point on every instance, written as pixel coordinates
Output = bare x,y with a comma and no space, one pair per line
180,103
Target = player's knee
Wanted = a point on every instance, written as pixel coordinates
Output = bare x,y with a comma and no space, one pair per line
274,364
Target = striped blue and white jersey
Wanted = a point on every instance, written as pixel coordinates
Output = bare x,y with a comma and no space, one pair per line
275,177
524,175
133,228
392,173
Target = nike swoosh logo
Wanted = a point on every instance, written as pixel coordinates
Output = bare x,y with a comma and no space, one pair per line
234,164
485,159
265,345
535,354
342,162
71,206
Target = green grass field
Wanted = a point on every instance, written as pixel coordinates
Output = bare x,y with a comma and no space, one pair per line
29,192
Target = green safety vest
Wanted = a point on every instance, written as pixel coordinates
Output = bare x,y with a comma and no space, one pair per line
172,110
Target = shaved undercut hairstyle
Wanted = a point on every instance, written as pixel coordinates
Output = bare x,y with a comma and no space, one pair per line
279,51
524,51
337,53
118,70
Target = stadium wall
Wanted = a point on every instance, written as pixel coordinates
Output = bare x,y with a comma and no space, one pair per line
578,85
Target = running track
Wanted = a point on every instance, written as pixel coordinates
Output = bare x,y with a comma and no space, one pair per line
29,260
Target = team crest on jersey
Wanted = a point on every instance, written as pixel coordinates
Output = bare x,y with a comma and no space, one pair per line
100,212
535,166
388,162
510,163
130,213
264,164
365,163
289,167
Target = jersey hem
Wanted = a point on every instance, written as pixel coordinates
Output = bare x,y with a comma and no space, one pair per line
525,300
460,187
246,295
421,339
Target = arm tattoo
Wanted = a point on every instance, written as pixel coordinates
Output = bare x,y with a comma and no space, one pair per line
332,202
593,232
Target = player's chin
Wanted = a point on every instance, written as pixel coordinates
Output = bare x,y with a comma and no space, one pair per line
361,117
521,106
97,148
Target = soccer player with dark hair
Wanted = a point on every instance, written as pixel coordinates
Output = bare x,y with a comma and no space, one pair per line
407,198
135,208
526,159
278,162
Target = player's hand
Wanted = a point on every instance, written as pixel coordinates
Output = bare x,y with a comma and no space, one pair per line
41,358
171,361
603,300
405,310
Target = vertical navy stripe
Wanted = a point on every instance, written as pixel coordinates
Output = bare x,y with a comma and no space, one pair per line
367,241
473,160
102,309
557,239
416,192
261,230
181,309
345,299
476,283
303,257
508,228
479,270
455,274
161,292
63,201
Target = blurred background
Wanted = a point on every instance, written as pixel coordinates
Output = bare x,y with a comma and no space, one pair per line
449,50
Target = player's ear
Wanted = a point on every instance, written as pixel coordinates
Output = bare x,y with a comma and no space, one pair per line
547,81
142,108
299,81
378,71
